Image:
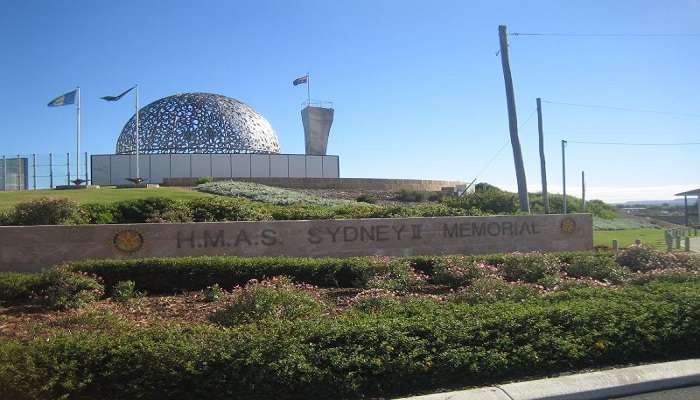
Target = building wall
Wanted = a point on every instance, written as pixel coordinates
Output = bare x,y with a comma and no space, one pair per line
114,169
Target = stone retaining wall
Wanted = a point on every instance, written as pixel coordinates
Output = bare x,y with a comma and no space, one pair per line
31,248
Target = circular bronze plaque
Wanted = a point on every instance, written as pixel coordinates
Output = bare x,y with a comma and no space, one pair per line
128,241
568,225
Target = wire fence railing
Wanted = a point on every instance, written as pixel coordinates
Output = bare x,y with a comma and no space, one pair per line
42,171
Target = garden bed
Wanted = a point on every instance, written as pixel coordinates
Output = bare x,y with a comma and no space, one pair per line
227,327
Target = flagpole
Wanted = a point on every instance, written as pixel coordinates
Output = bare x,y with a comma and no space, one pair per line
77,142
138,175
308,88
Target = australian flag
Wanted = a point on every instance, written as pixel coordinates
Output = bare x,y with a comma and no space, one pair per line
119,96
64,100
301,81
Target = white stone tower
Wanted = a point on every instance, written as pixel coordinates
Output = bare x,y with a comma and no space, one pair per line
317,126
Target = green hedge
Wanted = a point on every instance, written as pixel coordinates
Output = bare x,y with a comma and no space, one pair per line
359,355
169,275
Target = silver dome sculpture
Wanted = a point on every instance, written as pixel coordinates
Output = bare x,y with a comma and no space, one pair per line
198,123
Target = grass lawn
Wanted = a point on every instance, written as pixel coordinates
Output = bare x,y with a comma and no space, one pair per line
102,195
626,237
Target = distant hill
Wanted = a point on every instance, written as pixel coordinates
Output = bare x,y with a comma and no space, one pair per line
674,202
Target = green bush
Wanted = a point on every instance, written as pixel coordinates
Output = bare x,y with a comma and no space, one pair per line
211,209
599,268
46,211
213,293
125,291
645,258
366,198
490,289
96,213
409,195
152,209
16,287
362,355
489,200
204,179
275,299
457,271
400,276
530,267
60,288
171,275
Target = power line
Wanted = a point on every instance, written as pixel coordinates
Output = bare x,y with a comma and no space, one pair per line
607,34
495,156
622,108
636,144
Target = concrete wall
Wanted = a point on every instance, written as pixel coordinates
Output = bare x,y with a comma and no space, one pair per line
317,123
31,248
114,169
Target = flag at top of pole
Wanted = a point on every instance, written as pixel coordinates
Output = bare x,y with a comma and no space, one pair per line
64,99
72,97
304,80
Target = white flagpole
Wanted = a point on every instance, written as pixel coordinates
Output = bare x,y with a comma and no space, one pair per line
308,88
77,141
138,175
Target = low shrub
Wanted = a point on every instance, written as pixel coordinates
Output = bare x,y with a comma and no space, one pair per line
409,195
212,209
46,211
125,291
457,271
644,258
362,355
204,179
60,288
277,298
366,198
213,293
399,276
529,267
374,300
16,287
490,289
265,194
170,275
152,209
600,268
97,213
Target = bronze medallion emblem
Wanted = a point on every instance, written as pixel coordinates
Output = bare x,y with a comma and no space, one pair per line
568,225
128,241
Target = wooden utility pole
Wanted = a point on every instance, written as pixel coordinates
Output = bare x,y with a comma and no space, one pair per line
543,169
583,191
563,173
513,121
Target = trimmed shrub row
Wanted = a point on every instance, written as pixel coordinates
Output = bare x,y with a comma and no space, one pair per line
49,211
168,275
405,349
57,288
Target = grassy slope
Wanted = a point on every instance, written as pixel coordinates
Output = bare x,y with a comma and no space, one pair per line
626,237
102,195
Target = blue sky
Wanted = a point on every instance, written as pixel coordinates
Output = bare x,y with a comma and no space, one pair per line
417,85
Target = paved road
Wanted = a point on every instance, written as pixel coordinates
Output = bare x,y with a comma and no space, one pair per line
689,393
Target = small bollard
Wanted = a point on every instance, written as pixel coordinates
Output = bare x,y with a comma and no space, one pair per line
687,244
637,242
616,246
669,240
678,242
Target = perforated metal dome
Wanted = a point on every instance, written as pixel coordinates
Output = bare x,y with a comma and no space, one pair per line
198,123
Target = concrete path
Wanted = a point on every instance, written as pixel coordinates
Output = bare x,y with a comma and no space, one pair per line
589,386
695,244
688,393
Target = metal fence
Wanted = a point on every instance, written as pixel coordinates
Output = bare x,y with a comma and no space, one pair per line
42,171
